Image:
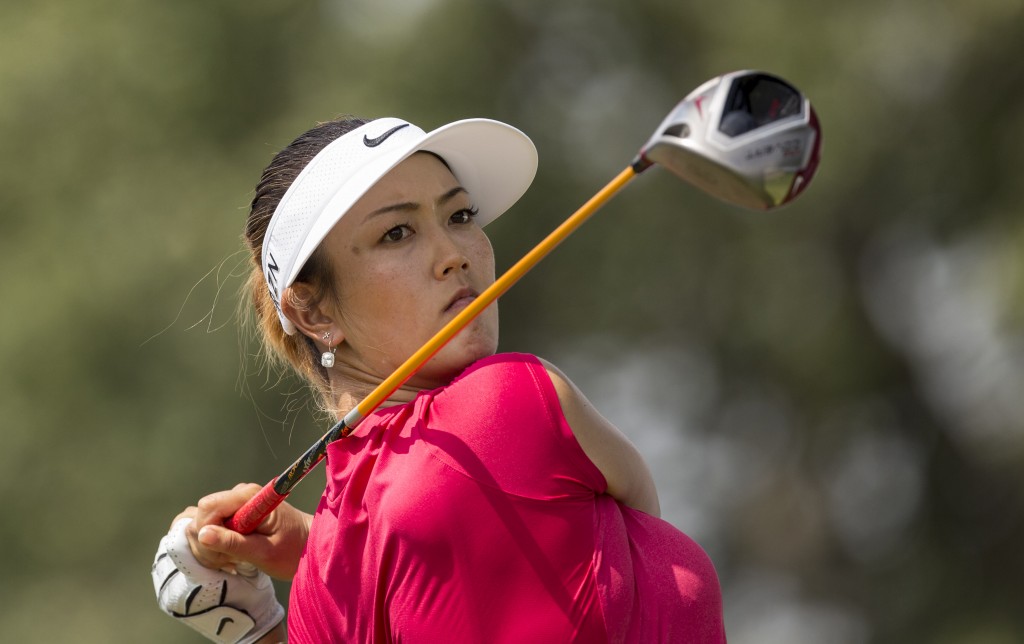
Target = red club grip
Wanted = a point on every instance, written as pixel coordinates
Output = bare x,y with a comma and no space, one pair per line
251,515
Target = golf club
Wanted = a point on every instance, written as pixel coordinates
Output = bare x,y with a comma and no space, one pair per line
748,138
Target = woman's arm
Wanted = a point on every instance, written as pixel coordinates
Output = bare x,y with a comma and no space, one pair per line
629,479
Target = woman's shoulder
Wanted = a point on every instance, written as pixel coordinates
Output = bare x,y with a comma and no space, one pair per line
497,369
518,374
505,409
503,360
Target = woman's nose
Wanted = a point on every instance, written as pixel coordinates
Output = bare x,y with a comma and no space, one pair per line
451,258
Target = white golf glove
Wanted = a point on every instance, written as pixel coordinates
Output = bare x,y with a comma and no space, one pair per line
225,608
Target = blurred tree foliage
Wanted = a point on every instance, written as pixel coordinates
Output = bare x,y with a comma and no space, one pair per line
831,395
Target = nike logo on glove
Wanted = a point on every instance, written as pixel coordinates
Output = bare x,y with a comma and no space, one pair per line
372,143
224,622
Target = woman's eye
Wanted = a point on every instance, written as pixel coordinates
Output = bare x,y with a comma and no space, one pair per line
464,216
398,233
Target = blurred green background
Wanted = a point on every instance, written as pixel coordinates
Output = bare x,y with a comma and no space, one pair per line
832,395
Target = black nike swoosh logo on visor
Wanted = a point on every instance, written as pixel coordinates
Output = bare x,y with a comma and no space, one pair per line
372,143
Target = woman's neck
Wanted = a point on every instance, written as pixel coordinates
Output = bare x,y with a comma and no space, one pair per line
350,386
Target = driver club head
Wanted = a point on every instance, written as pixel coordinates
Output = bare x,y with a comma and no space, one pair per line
748,138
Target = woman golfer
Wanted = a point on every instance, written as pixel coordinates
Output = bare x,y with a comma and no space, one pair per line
486,500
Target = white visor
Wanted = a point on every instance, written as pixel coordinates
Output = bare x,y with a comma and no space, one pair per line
493,161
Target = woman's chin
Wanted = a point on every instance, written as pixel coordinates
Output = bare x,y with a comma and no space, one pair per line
451,361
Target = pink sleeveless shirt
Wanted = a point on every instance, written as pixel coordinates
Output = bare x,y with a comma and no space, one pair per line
472,515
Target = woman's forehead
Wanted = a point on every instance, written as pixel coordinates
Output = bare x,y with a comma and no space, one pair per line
421,179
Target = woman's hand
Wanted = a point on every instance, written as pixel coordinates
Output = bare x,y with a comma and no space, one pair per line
238,608
275,546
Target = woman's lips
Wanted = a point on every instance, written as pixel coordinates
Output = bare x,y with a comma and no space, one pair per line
461,300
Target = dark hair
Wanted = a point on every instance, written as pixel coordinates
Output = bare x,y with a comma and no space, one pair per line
296,351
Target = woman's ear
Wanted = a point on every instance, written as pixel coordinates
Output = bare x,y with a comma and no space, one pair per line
310,315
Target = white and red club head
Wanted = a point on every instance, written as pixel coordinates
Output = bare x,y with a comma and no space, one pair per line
748,138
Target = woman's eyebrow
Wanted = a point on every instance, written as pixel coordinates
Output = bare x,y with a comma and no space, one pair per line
406,206
448,196
395,207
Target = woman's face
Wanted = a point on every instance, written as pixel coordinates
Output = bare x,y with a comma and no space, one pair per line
408,256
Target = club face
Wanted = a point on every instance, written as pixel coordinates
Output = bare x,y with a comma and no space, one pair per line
748,138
